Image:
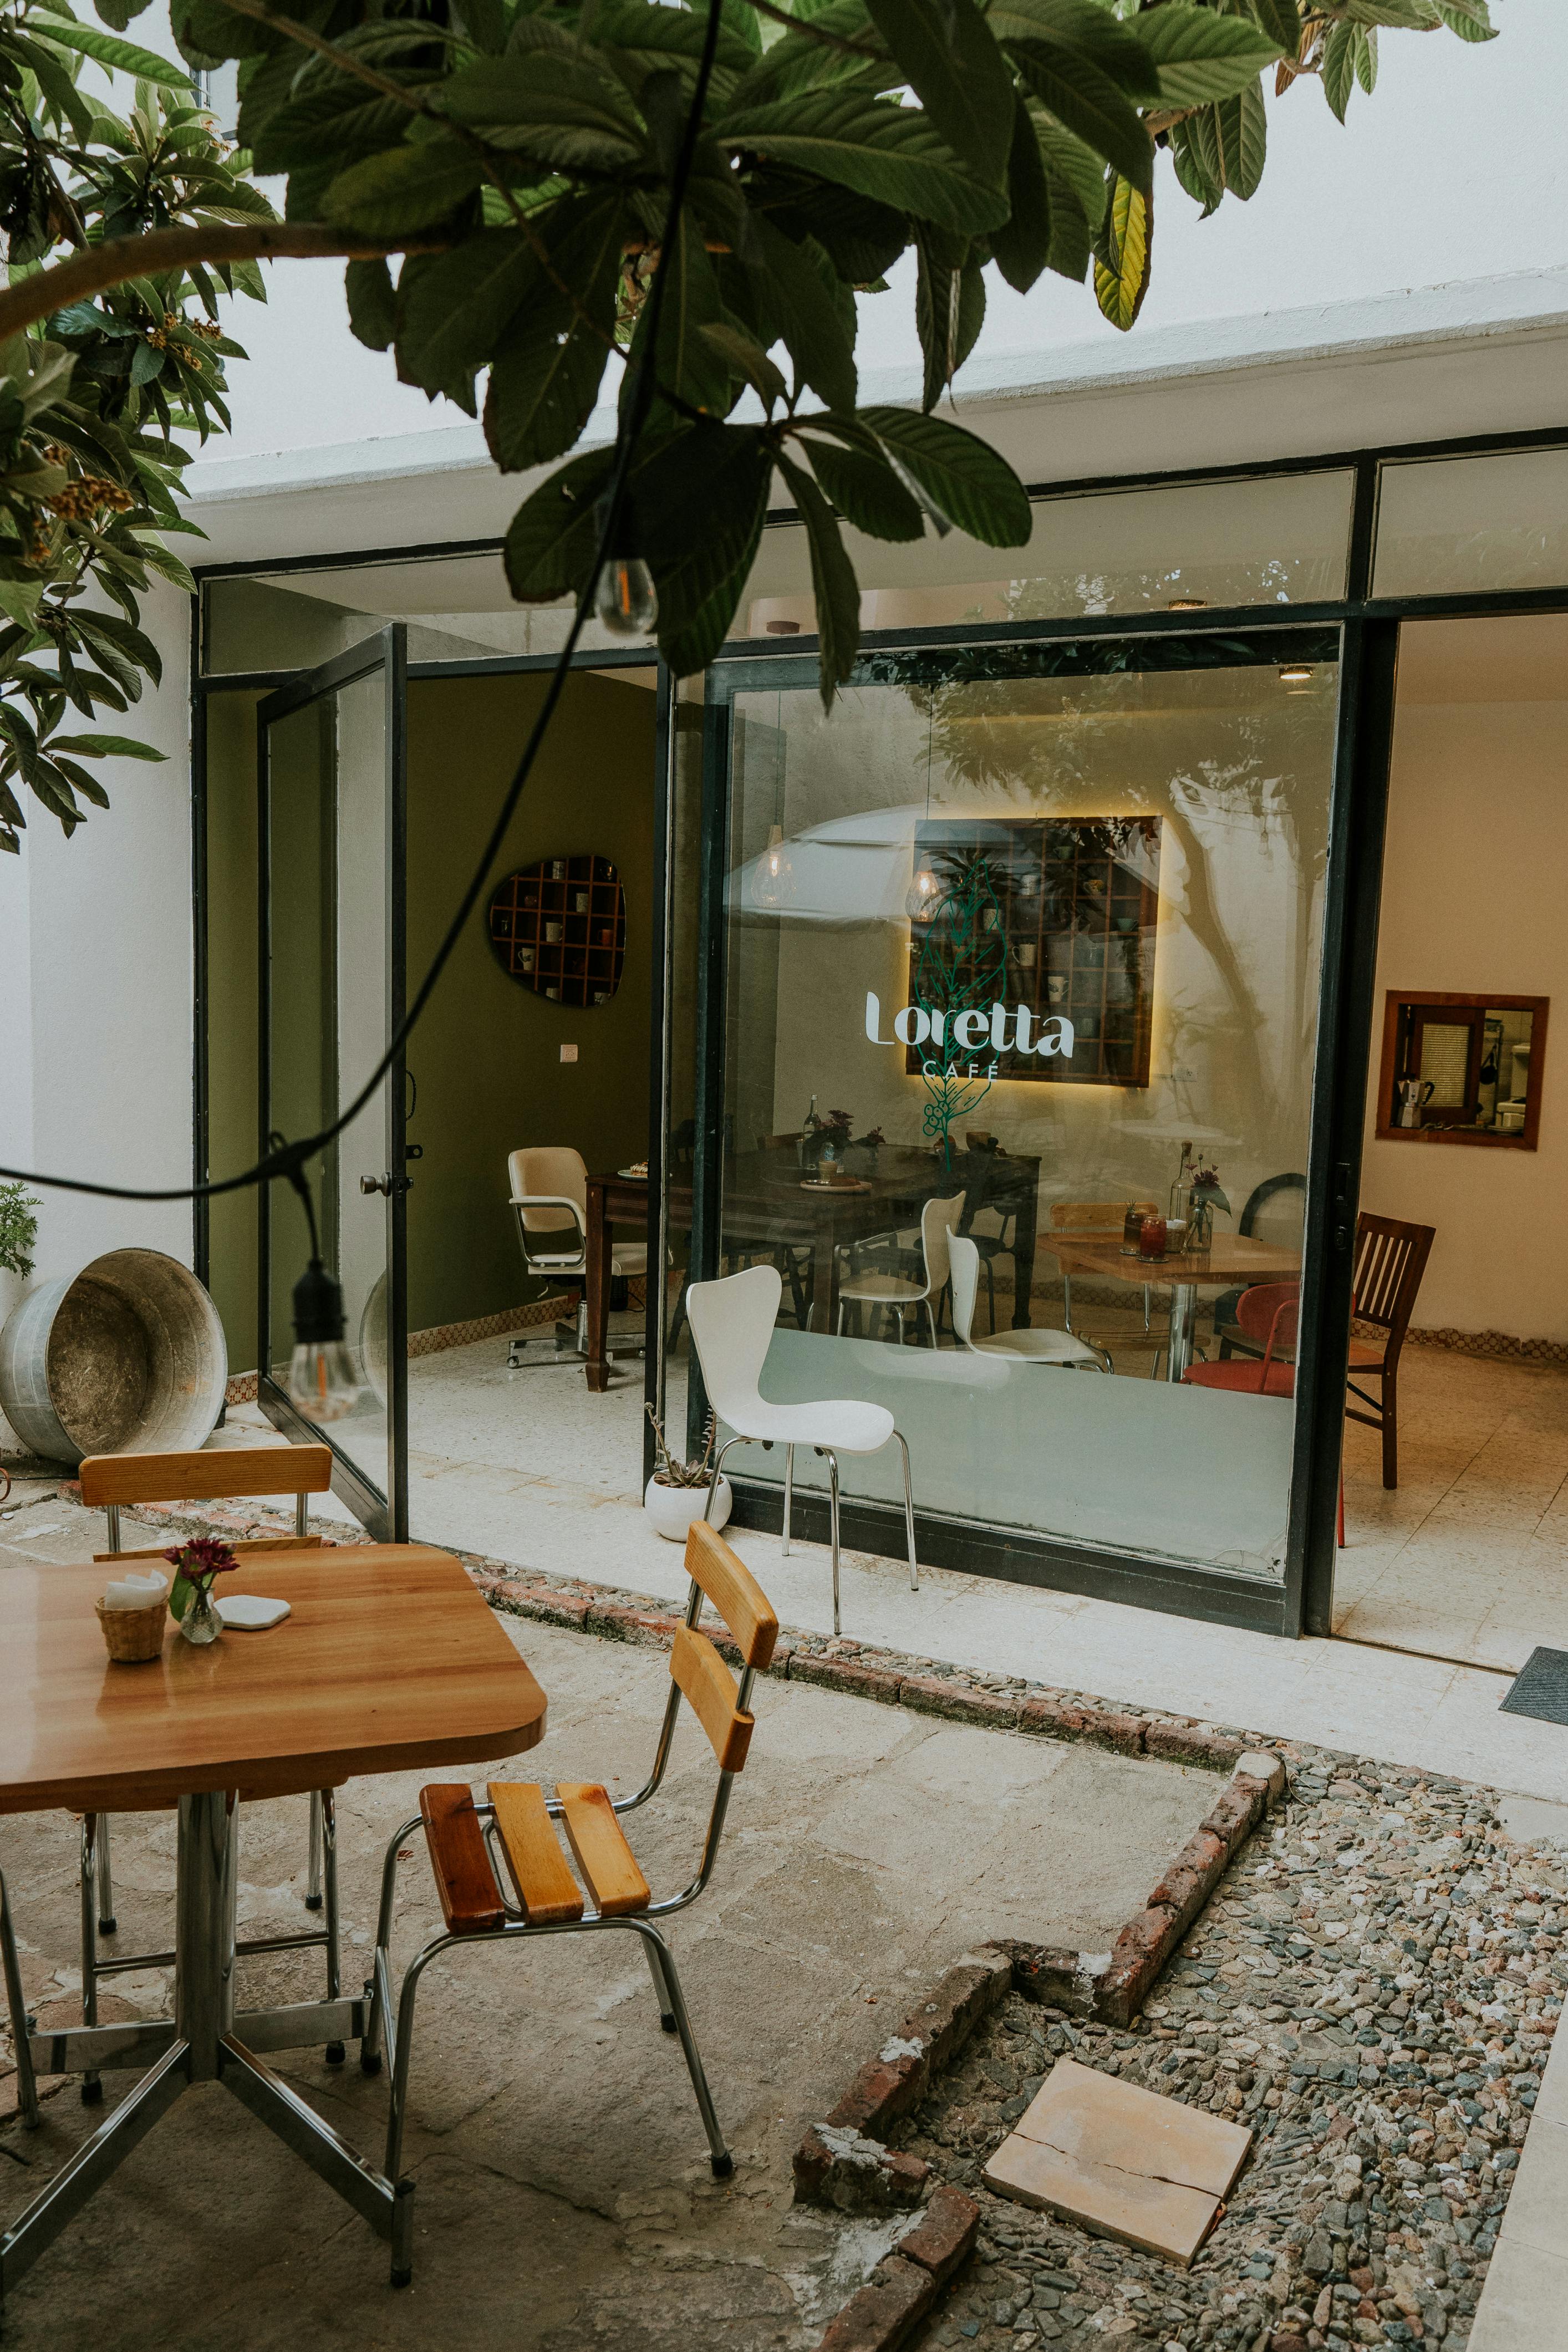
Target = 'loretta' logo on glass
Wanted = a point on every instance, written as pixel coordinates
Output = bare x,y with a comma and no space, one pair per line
973,1031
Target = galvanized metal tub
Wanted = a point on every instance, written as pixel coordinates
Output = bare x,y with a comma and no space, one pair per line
126,1357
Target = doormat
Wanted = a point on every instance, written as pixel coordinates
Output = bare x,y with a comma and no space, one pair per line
1541,1689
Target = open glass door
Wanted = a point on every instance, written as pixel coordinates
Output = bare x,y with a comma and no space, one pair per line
331,763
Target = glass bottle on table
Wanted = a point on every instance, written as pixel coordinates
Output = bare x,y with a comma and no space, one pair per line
1178,1208
810,1129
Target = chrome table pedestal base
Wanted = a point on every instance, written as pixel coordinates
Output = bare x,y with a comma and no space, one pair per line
206,2041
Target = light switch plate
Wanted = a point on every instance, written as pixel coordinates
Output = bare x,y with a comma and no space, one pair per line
568,1053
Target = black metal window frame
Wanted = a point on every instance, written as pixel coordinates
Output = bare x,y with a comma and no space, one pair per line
1368,629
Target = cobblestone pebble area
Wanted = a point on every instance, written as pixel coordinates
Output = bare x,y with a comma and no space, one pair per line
1374,1988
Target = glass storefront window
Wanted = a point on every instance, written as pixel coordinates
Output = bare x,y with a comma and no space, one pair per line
1280,539
458,608
1460,523
1035,932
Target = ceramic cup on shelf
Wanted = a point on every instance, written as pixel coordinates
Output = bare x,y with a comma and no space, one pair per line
525,959
558,869
1026,955
580,903
552,932
1056,987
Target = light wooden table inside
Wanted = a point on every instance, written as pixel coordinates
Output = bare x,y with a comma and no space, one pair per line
390,1661
1233,1258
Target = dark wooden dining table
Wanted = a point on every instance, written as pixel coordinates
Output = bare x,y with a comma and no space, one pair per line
768,1206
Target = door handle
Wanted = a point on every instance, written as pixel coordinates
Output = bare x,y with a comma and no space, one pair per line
376,1184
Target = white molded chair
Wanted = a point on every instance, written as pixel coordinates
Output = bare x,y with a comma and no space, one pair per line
550,1202
938,1220
732,1323
1066,1349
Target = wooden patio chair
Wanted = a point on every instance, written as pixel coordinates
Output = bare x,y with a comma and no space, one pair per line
1390,1260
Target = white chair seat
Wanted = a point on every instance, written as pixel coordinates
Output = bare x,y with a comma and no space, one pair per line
848,1424
633,1259
1037,1347
885,1288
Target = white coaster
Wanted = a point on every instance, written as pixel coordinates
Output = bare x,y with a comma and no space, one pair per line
247,1613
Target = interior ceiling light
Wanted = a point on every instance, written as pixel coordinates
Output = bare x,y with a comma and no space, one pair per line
1297,673
919,901
773,877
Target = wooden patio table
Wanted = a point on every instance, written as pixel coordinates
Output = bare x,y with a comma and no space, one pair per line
1231,1258
390,1661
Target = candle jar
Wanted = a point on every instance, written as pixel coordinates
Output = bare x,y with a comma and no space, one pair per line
1151,1238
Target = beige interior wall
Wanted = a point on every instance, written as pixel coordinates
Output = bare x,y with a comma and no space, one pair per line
1474,885
1237,767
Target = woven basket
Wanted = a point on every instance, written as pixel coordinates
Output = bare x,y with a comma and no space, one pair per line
132,1636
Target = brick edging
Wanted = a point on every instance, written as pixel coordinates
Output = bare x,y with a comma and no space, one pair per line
906,2282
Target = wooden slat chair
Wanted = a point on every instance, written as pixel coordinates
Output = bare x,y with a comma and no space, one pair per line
501,1872
115,1482
1390,1260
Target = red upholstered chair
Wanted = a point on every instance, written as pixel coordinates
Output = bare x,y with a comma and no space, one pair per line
1266,1313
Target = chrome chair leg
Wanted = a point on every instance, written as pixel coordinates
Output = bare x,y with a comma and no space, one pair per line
91,2085
106,1923
656,1955
375,2032
327,1800
789,1493
313,1883
909,1511
719,2156
832,1460
21,2023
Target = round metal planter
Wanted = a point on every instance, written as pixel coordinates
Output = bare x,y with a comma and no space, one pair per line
127,1357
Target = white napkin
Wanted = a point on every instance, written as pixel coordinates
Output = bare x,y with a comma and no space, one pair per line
250,1611
135,1592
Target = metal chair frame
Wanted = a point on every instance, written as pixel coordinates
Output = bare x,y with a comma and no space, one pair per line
561,1266
828,1453
398,2036
22,2022
98,1885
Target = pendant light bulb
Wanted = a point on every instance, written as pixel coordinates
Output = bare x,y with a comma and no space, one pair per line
626,600
919,904
322,1381
773,877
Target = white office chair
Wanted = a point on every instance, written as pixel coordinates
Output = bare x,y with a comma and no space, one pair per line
732,1323
938,1221
1066,1349
550,1202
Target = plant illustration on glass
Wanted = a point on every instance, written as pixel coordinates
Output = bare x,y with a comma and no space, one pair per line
961,963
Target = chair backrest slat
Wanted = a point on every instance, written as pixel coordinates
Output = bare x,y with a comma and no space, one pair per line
734,1591
706,1681
215,1474
1390,1260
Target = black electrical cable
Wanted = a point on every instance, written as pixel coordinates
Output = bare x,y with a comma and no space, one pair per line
288,1159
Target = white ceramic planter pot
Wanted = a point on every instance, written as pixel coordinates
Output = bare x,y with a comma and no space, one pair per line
673,1509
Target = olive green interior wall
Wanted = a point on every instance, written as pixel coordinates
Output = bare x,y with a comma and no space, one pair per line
487,1054
231,1011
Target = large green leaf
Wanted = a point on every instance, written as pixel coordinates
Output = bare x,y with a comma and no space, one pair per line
1086,102
404,188
811,323
799,62
555,109
343,120
1083,25
1121,277
950,310
373,304
887,151
835,589
119,747
685,361
957,72
1469,18
554,534
862,239
864,486
109,49
961,476
700,503
1339,67
1022,245
452,313
1201,56
1281,20
551,362
1239,136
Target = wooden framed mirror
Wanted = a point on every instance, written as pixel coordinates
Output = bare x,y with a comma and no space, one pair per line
1462,1068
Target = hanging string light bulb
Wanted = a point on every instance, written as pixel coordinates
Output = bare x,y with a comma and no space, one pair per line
772,876
323,1384
626,600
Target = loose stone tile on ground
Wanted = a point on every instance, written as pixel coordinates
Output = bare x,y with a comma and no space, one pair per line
1374,1988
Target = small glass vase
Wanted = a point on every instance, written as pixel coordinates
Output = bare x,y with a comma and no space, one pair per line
1199,1234
201,1622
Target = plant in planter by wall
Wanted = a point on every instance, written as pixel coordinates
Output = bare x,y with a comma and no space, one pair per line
677,1494
18,1229
668,1470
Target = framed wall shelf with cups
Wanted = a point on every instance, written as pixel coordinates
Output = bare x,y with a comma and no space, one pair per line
560,928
